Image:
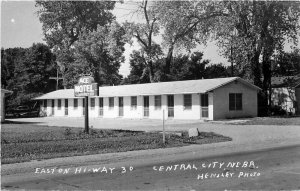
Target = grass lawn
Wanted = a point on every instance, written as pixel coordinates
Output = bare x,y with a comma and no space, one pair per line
25,142
272,121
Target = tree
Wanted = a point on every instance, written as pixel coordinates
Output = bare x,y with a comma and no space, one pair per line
217,71
63,25
287,63
185,24
188,67
9,59
183,67
29,72
144,33
138,72
100,53
257,30
64,20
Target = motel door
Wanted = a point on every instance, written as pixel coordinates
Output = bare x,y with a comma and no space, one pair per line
204,105
146,106
170,105
121,104
52,107
66,107
83,106
101,106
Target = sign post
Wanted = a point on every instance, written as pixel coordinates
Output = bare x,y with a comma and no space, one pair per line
85,88
164,136
86,120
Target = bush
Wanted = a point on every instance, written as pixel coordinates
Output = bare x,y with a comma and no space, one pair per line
277,110
67,132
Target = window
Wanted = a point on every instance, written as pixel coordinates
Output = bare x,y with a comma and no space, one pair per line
111,103
93,103
75,103
187,101
235,101
157,102
133,102
58,104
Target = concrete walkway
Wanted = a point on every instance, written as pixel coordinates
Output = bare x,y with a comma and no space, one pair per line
115,123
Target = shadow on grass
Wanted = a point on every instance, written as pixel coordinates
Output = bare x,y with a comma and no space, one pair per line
18,122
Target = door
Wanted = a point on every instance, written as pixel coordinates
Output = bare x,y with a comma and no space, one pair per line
66,107
146,106
83,106
121,104
101,106
204,106
52,107
170,105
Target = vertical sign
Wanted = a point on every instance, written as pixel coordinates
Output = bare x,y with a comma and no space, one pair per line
85,88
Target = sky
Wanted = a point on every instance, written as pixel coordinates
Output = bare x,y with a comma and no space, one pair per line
20,27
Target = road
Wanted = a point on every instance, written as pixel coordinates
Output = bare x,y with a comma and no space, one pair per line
271,169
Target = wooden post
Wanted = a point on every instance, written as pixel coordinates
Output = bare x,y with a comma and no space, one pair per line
164,136
86,121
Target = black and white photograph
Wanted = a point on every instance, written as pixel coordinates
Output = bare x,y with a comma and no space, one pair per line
150,95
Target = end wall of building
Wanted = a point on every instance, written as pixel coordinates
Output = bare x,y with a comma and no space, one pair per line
221,101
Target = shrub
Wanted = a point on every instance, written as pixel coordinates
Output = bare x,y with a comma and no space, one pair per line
67,132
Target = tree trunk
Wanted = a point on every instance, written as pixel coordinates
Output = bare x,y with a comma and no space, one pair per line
169,60
255,69
151,72
266,69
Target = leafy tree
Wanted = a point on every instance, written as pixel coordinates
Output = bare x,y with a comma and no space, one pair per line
287,63
138,71
64,20
9,59
144,33
67,22
100,53
29,72
183,67
185,24
217,71
257,30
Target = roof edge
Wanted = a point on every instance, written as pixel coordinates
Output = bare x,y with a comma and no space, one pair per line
232,80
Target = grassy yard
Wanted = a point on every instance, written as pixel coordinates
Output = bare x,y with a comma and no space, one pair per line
272,121
25,142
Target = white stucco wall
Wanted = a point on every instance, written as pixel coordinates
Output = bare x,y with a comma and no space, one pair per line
218,105
221,101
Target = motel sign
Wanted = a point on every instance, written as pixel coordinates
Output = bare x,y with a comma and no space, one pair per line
85,87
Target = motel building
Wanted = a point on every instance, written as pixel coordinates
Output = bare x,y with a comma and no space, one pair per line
206,99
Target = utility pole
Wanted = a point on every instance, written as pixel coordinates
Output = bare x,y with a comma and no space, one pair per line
56,78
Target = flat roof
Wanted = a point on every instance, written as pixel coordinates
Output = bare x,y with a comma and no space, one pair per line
159,88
